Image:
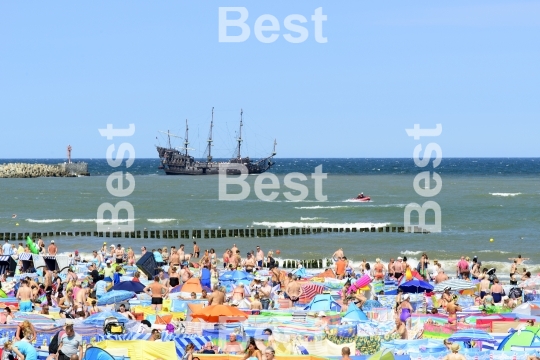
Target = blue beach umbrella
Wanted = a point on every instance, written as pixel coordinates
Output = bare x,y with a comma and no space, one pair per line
115,297
133,286
355,314
236,275
99,318
472,335
415,286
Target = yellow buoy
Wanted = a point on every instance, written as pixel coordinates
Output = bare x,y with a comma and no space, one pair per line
17,224
491,240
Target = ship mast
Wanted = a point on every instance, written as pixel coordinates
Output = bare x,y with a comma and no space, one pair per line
186,142
209,157
274,152
240,134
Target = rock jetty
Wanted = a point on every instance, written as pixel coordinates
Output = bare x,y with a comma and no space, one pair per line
22,170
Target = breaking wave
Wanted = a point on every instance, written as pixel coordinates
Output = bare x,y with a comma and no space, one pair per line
505,194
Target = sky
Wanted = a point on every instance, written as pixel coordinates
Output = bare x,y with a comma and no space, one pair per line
70,68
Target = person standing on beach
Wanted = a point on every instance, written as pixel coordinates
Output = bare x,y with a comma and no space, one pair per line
484,286
441,276
340,268
378,270
234,249
338,254
157,292
259,257
452,308
174,259
293,290
131,256
462,268
226,258
390,270
24,294
249,263
6,248
52,249
398,268
119,254
196,250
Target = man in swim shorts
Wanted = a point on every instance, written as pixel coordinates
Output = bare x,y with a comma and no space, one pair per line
293,290
24,294
157,292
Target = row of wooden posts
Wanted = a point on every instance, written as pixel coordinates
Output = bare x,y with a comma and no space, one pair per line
206,234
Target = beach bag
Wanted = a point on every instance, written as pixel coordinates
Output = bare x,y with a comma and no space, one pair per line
515,293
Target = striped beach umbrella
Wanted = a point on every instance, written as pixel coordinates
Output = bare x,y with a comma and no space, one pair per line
454,285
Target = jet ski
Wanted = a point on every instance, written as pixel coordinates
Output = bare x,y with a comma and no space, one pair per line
361,199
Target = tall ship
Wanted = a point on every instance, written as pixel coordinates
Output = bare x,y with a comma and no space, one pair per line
176,161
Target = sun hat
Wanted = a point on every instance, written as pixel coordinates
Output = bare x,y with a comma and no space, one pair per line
406,297
400,258
52,241
322,313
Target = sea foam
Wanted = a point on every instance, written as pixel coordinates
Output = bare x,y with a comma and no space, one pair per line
505,194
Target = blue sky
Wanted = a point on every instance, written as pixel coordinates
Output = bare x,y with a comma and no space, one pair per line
68,68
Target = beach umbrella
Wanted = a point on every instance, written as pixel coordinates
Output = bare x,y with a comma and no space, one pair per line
35,319
527,309
236,275
415,286
192,285
99,318
454,285
354,314
133,286
384,354
115,297
472,335
219,313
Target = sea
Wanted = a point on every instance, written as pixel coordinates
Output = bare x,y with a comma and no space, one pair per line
489,208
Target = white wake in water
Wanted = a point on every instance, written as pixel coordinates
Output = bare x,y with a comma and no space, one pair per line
323,207
311,218
102,221
505,194
159,221
45,221
289,224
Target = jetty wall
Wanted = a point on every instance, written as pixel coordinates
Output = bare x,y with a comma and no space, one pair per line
23,170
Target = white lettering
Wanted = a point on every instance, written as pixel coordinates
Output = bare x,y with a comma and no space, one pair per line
431,147
224,180
318,176
225,23
289,25
260,28
428,205
120,191
121,150
427,191
295,186
114,210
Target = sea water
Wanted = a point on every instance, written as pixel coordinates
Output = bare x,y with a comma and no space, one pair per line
481,199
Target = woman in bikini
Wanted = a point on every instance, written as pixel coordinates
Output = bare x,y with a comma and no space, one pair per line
93,309
174,280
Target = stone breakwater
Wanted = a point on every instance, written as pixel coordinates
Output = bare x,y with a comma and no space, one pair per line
22,170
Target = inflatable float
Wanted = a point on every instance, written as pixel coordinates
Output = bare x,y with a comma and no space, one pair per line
360,284
32,245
